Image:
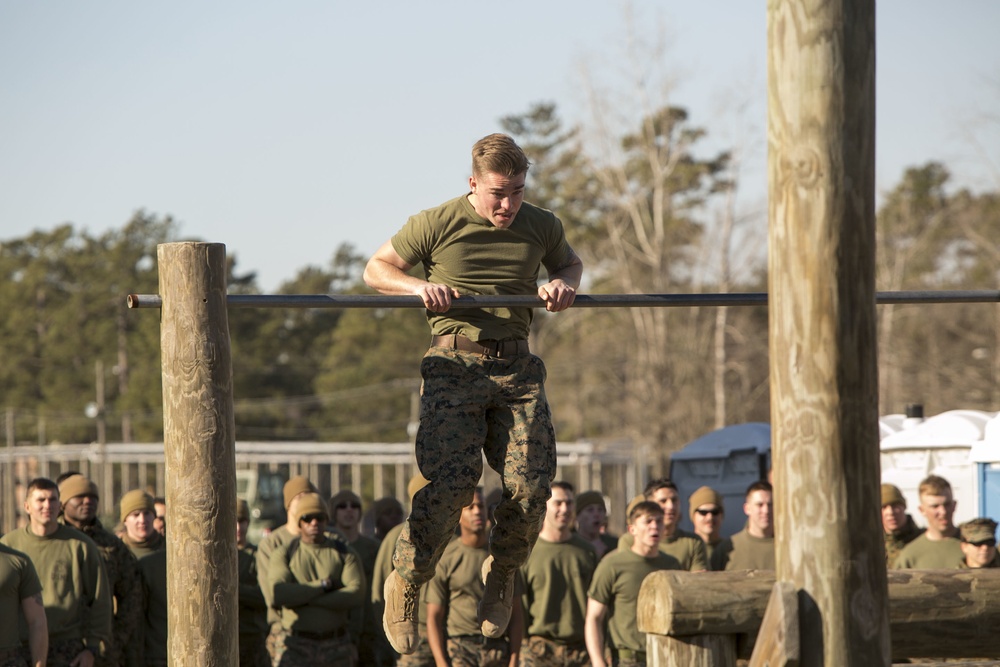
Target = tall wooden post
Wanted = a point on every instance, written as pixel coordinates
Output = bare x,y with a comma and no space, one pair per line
824,393
200,454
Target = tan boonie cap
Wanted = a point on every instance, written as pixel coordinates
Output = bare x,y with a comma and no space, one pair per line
978,530
891,495
77,485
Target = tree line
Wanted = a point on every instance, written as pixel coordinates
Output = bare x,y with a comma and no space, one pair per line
649,209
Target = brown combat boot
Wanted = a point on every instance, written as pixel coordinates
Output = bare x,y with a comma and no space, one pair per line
400,618
494,608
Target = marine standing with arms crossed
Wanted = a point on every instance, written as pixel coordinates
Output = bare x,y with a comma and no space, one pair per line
482,389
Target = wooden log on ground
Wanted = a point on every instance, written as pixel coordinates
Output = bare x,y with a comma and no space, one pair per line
778,639
822,341
932,613
200,454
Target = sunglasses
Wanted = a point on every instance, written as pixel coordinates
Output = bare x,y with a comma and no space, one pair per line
309,518
715,512
984,543
344,506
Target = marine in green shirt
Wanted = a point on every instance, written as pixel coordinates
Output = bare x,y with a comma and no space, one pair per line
138,514
317,580
753,547
614,591
556,577
252,607
938,548
685,547
75,590
20,590
454,594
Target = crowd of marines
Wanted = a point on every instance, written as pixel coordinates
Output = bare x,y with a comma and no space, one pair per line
311,593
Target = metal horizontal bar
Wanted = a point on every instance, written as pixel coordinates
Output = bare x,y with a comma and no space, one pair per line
582,300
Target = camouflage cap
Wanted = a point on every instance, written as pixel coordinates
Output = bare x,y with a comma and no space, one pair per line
978,530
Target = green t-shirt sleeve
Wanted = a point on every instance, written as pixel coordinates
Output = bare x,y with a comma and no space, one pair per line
602,585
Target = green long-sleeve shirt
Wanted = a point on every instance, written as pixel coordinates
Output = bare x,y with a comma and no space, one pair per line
75,589
297,570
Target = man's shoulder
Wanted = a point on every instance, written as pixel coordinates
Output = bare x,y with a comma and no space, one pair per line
12,553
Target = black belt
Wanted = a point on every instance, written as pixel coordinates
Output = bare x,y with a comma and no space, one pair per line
505,348
319,636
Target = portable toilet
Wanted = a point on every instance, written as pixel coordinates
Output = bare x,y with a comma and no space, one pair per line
940,445
986,456
729,460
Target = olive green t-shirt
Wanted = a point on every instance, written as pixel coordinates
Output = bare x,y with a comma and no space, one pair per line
556,576
458,586
616,585
75,588
297,571
18,581
687,548
460,248
926,554
750,553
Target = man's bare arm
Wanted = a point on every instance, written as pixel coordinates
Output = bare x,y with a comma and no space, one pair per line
38,629
387,272
560,292
593,632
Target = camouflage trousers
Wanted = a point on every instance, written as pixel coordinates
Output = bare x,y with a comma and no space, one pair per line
541,652
62,653
253,652
472,405
298,651
478,651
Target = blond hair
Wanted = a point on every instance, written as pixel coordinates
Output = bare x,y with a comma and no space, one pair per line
498,154
935,485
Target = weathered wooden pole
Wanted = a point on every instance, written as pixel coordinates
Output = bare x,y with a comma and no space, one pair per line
824,384
200,454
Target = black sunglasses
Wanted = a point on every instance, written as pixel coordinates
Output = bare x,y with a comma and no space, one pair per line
984,543
344,506
714,512
309,518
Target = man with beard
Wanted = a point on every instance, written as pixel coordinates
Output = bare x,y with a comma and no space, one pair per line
556,577
687,548
80,499
317,580
898,527
938,548
453,597
138,515
75,589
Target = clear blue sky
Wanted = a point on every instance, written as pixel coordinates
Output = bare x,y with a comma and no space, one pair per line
285,129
